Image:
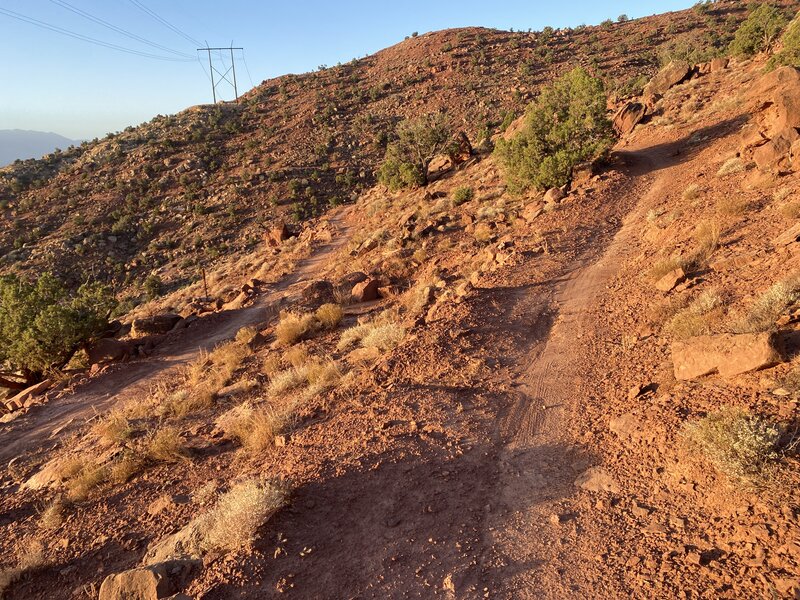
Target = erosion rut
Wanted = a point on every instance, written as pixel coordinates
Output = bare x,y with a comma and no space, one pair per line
532,541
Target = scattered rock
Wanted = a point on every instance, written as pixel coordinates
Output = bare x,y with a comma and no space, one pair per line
23,398
790,236
727,354
156,325
668,282
718,64
778,92
628,117
348,281
154,582
363,355
669,76
625,425
596,479
165,502
279,234
532,210
367,290
316,294
109,350
775,155
554,195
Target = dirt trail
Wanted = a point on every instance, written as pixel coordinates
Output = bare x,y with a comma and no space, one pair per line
533,542
43,424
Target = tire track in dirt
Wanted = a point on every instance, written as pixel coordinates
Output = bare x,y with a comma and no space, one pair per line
44,424
531,556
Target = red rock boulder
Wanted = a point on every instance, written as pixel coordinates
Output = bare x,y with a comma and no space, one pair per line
726,354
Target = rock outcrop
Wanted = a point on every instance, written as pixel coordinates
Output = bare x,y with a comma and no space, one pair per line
726,354
628,117
671,75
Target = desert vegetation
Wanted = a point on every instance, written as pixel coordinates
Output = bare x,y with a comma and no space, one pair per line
565,126
43,324
418,141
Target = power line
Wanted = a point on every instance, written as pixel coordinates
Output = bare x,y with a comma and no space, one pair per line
112,27
164,22
200,62
246,68
85,38
223,76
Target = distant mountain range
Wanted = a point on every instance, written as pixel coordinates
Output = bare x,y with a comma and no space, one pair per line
19,143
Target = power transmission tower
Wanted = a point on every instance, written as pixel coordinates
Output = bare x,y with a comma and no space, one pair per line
223,76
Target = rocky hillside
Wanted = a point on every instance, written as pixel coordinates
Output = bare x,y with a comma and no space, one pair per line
455,391
173,195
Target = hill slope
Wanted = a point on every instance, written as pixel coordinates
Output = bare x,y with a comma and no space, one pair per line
173,195
591,394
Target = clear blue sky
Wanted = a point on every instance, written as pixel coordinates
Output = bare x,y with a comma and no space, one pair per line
50,82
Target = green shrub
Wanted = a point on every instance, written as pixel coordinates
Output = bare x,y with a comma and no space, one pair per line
409,157
42,324
152,286
790,46
462,194
759,31
566,125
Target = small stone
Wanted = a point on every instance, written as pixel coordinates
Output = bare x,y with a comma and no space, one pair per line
669,281
596,479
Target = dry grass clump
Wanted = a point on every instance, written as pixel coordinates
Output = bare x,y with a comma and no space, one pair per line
322,374
30,557
731,167
125,467
384,333
293,327
707,235
297,356
287,380
228,357
239,512
791,381
329,315
206,375
343,295
254,428
182,402
697,318
53,515
246,334
114,429
317,374
90,476
742,446
271,365
781,195
417,298
769,306
165,445
733,206
692,192
383,337
662,267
